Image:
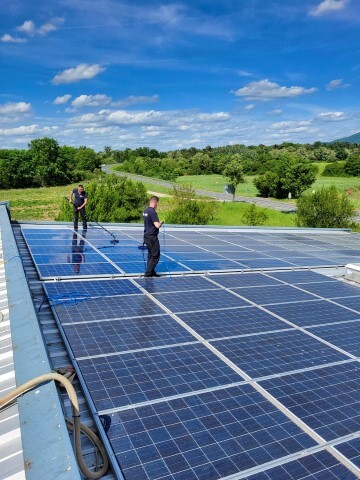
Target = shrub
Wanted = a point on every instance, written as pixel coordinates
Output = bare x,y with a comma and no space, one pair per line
111,199
254,216
325,208
188,211
335,169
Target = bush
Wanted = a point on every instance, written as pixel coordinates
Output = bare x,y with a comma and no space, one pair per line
188,211
325,208
111,199
254,216
335,169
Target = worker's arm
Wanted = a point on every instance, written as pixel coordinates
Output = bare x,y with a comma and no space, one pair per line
71,196
83,205
158,224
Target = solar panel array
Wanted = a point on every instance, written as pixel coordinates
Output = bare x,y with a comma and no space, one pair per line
60,252
228,375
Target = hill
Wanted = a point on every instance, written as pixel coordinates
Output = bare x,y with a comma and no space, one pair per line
351,139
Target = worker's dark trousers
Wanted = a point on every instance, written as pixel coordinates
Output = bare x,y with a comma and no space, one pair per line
153,245
76,217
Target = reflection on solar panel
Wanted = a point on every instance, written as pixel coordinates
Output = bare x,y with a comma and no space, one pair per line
226,375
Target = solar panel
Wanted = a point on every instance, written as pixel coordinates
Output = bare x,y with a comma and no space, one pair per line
94,288
175,284
131,378
88,339
211,265
106,308
333,289
50,271
300,276
232,322
319,466
326,399
351,450
262,263
350,302
199,300
272,294
207,436
343,335
273,353
243,280
317,312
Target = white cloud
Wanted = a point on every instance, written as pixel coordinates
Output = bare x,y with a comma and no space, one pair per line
331,117
133,100
250,106
23,130
275,113
97,100
29,28
15,108
61,100
327,6
124,117
244,73
82,72
265,90
290,125
10,39
337,83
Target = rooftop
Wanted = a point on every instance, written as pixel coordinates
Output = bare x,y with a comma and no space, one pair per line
241,361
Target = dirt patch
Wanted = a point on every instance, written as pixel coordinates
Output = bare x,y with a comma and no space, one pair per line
159,194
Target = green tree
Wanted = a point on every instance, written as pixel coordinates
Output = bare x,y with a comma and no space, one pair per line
325,208
86,159
48,167
352,164
233,172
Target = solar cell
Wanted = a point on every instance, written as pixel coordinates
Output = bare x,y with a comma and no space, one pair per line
202,437
326,399
266,295
199,300
231,322
88,339
317,312
262,263
107,308
319,466
273,353
343,335
89,257
130,378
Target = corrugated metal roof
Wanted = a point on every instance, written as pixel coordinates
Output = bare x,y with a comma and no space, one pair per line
11,458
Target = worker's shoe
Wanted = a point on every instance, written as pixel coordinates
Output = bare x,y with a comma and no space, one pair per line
154,274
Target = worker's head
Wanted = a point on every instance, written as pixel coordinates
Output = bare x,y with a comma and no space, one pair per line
80,188
154,201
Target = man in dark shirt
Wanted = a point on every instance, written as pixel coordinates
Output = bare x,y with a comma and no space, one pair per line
151,231
78,197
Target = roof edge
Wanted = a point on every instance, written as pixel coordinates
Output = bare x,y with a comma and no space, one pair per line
42,423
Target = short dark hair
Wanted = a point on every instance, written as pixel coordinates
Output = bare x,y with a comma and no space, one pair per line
82,186
154,197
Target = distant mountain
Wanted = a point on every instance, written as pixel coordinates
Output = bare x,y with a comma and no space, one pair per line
352,139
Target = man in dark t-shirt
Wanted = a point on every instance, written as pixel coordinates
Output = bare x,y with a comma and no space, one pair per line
151,231
78,197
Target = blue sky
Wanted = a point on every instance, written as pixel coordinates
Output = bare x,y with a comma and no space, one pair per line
172,75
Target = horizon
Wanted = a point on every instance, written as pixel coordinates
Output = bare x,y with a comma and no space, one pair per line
178,75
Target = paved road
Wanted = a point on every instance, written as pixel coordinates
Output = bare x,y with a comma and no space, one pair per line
225,197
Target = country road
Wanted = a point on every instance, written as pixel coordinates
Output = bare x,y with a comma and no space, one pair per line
225,197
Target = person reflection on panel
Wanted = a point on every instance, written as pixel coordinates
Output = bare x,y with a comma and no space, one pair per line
77,251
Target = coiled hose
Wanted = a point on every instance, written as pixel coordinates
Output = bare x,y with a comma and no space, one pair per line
73,425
